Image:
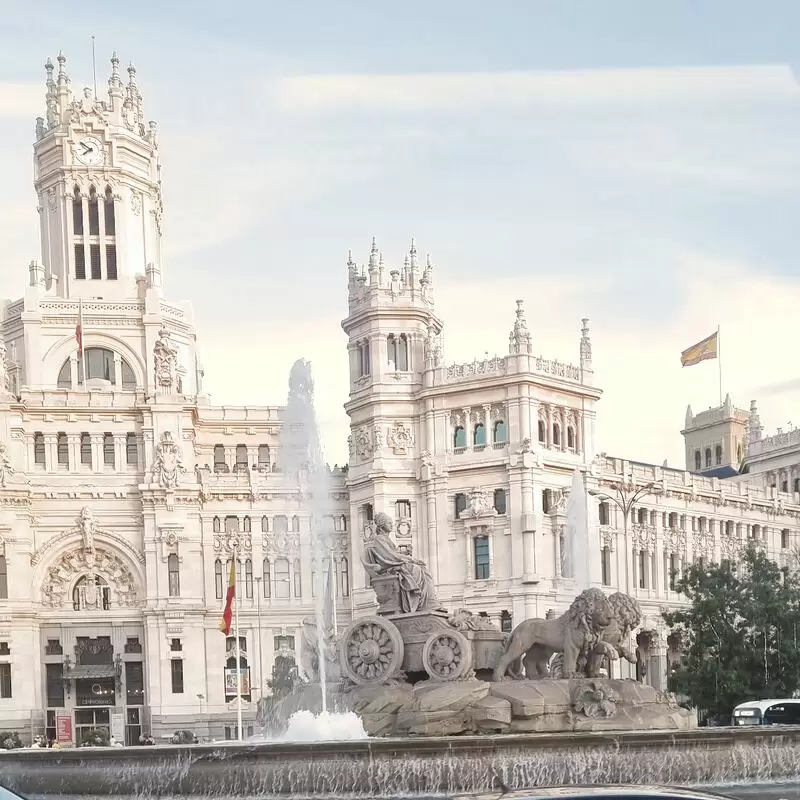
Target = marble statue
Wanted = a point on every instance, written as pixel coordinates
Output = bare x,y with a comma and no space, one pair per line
168,464
576,631
6,467
166,363
382,557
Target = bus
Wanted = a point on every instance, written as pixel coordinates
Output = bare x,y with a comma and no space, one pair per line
768,712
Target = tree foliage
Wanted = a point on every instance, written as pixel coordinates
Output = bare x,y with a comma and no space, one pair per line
739,634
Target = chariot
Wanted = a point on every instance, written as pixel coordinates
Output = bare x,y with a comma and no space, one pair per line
394,645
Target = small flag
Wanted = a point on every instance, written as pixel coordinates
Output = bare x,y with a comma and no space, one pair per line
702,351
227,614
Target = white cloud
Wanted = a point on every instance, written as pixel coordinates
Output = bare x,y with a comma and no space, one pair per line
491,90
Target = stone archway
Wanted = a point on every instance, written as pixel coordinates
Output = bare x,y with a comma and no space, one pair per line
79,567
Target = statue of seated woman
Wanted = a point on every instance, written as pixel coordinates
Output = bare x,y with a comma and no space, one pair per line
382,557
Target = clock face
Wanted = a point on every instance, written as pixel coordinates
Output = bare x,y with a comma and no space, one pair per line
89,151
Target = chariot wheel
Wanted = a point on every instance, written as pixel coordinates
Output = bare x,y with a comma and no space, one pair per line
447,655
371,651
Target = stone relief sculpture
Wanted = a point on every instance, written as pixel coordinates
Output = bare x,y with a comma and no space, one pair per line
168,463
6,468
166,363
577,630
381,557
5,378
87,528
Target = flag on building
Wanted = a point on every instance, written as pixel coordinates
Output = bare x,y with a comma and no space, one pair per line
702,351
227,614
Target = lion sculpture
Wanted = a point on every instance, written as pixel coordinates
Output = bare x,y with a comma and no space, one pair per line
577,630
612,645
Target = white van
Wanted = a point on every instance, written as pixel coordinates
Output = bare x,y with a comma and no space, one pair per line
768,712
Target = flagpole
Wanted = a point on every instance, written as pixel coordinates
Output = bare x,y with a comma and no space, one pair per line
238,652
719,363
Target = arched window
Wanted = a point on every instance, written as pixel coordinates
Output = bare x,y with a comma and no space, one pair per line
248,579
218,580
282,586
344,577
263,456
479,435
247,525
718,454
542,432
99,364
500,501
556,434
459,504
95,262
266,578
77,212
364,360
264,524
78,230
738,453
459,437
397,351
344,521
91,593
3,578
499,433
708,457
570,437
298,579
295,524
314,576
94,213
174,575
216,525
62,450
698,460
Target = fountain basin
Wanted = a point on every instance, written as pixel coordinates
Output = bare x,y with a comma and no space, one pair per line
426,766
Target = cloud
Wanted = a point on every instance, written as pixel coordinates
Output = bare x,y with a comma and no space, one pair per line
21,100
509,90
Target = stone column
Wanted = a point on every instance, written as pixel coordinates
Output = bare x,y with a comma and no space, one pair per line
98,462
468,426
50,455
120,454
74,443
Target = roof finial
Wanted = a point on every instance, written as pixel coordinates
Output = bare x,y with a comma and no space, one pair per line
114,81
62,72
373,255
413,254
131,74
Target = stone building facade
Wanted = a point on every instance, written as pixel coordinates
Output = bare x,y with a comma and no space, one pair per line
124,492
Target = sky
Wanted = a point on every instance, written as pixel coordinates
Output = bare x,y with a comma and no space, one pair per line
630,161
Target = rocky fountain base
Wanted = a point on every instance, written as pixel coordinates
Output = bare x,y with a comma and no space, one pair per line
436,708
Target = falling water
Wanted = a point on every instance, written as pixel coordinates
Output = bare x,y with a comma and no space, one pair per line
304,466
576,557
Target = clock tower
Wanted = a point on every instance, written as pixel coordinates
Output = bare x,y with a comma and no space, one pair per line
97,176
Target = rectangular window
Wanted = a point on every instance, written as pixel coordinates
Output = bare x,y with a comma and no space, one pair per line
175,646
642,566
5,681
481,548
545,500
602,511
131,450
108,450
673,571
94,261
403,509
55,685
80,262
3,578
94,216
62,450
605,566
77,216
108,213
86,450
38,449
176,671
111,262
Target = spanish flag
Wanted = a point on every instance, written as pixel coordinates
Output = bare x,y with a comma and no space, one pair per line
227,614
702,351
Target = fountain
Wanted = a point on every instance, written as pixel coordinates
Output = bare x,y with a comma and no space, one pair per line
305,469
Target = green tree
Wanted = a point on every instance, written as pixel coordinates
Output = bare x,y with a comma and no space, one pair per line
739,633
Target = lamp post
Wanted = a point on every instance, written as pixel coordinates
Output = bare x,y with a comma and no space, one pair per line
257,581
626,495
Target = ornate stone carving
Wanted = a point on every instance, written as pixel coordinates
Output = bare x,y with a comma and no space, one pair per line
87,528
525,446
377,433
401,438
233,543
5,381
643,537
166,364
447,656
479,505
703,544
168,463
730,547
281,544
595,699
371,652
362,442
675,541
426,458
136,203
6,468
63,575
608,536
463,620
381,557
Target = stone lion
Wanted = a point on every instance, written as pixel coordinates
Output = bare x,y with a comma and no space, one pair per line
611,646
577,630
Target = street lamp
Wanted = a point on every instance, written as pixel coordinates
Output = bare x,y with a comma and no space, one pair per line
627,494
